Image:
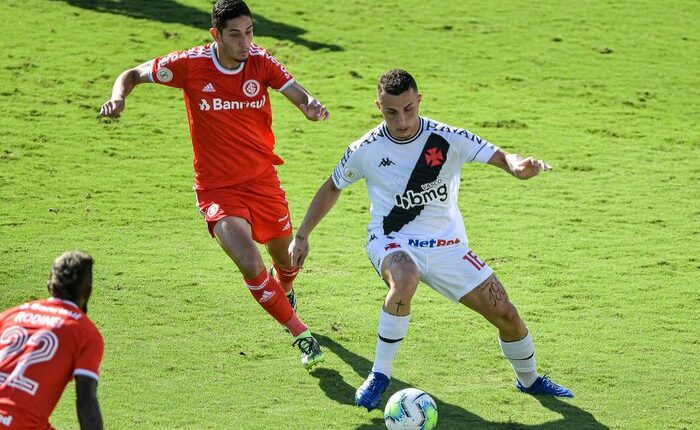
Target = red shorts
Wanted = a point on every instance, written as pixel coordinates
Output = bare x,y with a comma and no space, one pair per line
261,201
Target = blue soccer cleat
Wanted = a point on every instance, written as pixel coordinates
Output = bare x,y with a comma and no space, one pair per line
544,385
369,394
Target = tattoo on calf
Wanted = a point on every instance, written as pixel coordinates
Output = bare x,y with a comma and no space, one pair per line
398,306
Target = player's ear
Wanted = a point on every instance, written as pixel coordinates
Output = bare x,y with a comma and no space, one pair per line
214,33
379,105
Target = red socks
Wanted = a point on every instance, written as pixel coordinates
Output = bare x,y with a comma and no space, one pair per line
286,276
270,295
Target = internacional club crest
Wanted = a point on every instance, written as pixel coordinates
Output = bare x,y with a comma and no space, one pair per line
251,88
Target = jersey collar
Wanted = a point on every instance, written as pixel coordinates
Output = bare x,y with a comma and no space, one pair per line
405,141
67,302
221,68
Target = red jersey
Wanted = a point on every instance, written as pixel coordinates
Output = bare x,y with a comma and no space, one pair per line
228,111
43,344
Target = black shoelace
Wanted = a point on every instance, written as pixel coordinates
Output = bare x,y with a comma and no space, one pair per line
306,344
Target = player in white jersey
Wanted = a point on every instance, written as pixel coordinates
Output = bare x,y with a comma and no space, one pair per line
412,166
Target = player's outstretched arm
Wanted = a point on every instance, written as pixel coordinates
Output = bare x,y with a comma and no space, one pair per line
312,109
323,201
123,86
518,166
89,414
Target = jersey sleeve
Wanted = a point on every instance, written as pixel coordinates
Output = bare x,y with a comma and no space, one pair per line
171,69
475,149
349,168
89,354
276,75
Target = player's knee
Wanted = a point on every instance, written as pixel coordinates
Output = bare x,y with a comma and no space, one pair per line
508,315
249,265
405,280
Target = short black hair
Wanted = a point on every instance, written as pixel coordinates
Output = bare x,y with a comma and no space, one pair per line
228,9
68,273
396,82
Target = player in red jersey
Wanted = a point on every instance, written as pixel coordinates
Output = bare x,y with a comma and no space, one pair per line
225,87
45,343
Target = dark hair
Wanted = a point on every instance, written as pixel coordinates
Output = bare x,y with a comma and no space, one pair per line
396,82
228,9
68,273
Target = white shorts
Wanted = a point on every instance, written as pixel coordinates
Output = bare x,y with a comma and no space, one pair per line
448,266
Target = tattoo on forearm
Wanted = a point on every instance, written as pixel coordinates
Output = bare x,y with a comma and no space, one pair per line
399,257
496,291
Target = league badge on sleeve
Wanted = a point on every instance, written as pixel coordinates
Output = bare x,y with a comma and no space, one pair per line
164,74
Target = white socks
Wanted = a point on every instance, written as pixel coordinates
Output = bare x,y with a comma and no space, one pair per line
392,330
521,354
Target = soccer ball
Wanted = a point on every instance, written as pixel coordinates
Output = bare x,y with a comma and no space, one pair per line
410,409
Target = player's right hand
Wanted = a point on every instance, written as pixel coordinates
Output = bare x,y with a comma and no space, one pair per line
298,250
112,108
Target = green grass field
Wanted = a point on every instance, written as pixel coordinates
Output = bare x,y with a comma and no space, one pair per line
601,255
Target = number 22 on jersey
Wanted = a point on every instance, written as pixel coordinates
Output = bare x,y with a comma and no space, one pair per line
42,346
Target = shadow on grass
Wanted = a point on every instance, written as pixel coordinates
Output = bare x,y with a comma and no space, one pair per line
170,11
449,416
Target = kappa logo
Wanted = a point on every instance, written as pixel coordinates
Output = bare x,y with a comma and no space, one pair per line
386,162
287,226
203,105
372,237
266,296
209,88
434,157
251,88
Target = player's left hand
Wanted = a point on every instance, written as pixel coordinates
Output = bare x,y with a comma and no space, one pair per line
314,110
529,167
298,250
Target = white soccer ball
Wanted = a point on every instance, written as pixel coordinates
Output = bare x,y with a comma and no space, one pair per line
410,409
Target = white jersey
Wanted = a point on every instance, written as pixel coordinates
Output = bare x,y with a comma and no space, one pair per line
413,184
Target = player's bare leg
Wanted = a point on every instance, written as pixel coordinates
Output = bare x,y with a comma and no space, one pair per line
235,237
491,301
401,276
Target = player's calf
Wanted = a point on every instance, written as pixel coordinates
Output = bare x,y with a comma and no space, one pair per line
270,296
